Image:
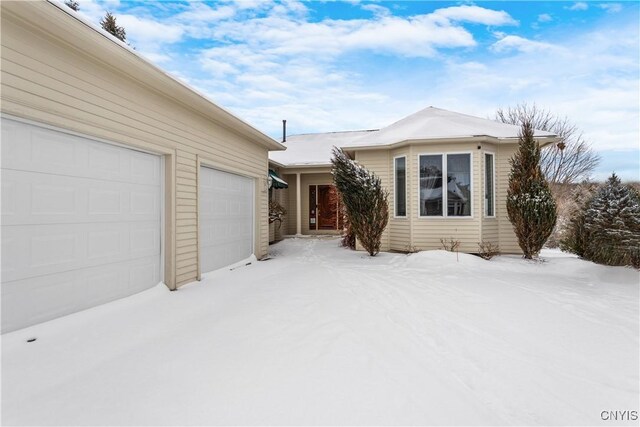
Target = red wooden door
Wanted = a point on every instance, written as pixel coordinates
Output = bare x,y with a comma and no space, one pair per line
327,207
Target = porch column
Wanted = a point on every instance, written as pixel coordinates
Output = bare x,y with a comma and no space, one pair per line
298,206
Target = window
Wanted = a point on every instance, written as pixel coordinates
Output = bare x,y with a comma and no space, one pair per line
431,185
489,185
400,166
456,200
458,185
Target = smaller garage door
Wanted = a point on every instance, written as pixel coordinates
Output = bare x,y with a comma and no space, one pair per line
226,218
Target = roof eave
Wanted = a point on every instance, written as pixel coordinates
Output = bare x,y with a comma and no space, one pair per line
542,140
305,165
99,45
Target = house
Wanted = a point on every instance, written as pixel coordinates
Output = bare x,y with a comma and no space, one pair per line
115,176
446,174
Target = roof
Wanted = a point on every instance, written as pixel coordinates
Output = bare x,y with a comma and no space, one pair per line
436,123
136,65
428,124
314,149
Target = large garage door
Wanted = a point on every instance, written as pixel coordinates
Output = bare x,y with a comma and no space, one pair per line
226,218
80,223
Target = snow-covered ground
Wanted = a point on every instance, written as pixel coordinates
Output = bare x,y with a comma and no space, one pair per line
322,335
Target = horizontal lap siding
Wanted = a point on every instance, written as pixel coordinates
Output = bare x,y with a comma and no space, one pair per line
48,82
400,228
508,241
378,162
490,226
282,197
186,218
290,206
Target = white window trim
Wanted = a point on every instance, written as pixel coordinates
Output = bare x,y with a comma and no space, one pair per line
444,193
406,190
493,181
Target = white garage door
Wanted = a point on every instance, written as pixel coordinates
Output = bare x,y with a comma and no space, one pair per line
226,218
80,223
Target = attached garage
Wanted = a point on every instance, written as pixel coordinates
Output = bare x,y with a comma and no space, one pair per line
101,165
81,223
226,218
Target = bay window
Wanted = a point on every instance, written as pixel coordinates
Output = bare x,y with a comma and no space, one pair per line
450,196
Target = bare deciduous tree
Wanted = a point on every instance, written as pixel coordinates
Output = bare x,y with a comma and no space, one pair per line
569,160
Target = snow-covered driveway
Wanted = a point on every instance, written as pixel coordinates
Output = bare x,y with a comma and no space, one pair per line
323,335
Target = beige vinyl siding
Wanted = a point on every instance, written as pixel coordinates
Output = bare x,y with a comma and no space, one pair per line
399,229
380,163
272,232
47,80
282,196
490,226
290,206
508,241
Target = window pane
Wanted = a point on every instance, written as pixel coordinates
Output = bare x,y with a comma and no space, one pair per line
401,188
430,185
459,185
489,199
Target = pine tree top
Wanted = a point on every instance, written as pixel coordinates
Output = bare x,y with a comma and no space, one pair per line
72,4
110,25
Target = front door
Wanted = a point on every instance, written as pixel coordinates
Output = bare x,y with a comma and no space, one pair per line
327,207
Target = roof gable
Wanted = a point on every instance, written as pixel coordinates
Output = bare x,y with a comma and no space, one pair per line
436,123
428,124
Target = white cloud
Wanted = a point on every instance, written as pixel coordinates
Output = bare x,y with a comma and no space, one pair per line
611,7
591,78
158,58
198,11
144,31
578,6
476,15
377,10
521,44
545,17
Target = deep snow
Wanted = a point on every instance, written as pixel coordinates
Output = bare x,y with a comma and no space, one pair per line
322,335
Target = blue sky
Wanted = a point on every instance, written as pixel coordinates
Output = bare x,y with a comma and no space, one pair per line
327,66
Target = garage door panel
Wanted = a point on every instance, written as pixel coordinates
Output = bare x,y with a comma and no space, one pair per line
36,198
226,218
33,149
81,223
46,249
35,300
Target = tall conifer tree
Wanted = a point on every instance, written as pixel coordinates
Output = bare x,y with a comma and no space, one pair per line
530,205
364,200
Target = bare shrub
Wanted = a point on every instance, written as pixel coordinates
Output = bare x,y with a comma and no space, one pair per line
450,245
488,250
276,212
